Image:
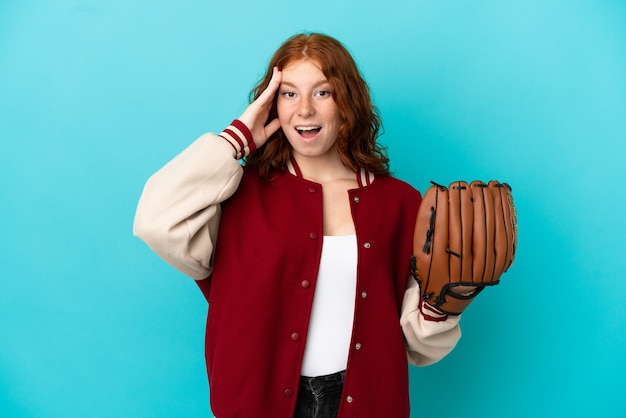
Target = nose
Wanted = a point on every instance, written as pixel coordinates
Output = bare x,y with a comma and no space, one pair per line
305,107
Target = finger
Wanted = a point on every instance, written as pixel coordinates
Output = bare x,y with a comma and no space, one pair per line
272,127
261,137
277,78
270,91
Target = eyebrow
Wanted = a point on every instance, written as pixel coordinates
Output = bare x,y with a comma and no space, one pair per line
317,84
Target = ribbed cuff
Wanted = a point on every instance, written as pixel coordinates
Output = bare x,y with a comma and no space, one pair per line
430,313
239,136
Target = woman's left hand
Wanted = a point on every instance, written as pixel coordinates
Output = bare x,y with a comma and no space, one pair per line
463,290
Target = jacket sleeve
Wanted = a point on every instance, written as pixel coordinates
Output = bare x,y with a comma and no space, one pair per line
179,209
430,335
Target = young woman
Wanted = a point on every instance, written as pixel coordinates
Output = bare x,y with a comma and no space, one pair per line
312,311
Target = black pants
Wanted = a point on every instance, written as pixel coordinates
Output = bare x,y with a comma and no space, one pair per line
319,397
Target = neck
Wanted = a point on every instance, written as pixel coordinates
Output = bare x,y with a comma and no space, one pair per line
323,170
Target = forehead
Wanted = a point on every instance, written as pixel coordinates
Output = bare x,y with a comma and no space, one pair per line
303,71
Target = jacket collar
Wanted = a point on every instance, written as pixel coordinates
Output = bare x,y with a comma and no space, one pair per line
363,177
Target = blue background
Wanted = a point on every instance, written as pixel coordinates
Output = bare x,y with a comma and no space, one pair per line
97,95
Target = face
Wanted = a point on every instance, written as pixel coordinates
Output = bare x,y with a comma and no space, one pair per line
307,112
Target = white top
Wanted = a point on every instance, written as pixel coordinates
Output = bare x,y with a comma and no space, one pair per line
330,327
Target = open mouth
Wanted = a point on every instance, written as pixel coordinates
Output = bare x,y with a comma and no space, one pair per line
308,132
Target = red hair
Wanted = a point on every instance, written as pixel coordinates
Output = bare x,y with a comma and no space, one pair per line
356,141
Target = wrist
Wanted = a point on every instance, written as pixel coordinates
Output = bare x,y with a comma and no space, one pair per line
464,291
430,313
240,138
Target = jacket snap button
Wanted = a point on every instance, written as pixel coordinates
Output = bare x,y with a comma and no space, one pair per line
364,295
349,399
295,336
312,189
367,245
288,393
358,346
356,199
306,284
313,235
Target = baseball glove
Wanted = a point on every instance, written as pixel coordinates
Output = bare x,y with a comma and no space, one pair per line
465,235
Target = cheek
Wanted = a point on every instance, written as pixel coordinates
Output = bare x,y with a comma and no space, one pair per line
284,116
333,112
283,105
282,111
335,116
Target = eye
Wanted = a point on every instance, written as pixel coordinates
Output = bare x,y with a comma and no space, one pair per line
324,93
288,94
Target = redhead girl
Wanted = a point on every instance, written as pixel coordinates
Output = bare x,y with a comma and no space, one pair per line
300,239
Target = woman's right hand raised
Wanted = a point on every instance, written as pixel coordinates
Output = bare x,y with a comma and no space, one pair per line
256,114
